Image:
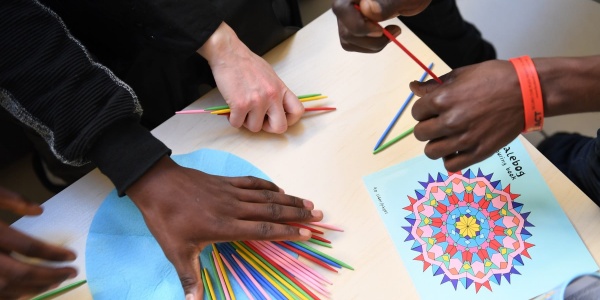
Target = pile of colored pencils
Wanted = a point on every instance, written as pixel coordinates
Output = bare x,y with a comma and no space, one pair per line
225,110
269,270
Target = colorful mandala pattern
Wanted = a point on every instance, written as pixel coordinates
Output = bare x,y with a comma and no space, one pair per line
468,229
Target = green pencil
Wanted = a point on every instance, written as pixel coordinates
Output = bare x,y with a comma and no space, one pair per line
320,243
220,107
394,140
60,290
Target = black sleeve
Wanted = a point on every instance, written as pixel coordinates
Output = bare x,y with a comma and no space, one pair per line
50,83
178,26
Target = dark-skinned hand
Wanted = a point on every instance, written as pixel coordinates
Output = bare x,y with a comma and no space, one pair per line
357,30
475,112
187,210
19,279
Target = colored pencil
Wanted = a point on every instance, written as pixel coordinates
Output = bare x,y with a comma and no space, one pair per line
273,271
343,264
393,39
224,111
205,284
220,294
320,238
400,111
295,270
237,277
209,284
306,227
326,226
249,284
245,270
394,140
222,268
59,290
221,107
320,243
265,275
224,286
283,273
314,254
307,256
292,260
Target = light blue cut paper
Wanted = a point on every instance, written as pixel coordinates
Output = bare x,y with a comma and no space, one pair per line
124,261
558,254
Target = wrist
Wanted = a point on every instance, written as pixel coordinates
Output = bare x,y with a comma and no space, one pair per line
220,45
155,177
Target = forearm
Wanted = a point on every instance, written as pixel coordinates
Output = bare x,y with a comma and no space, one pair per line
569,85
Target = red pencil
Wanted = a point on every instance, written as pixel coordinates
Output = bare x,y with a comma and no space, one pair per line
393,39
320,263
306,227
322,239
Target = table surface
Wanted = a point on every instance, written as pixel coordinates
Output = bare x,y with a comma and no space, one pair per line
323,158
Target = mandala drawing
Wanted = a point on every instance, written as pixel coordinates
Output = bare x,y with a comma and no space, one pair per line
468,229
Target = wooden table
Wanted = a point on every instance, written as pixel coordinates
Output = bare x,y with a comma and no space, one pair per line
323,158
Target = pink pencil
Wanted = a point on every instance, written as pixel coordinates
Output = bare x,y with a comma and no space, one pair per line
192,111
326,226
235,275
295,261
223,285
260,289
294,270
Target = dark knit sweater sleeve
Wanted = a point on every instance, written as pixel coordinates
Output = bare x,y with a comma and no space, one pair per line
50,83
177,26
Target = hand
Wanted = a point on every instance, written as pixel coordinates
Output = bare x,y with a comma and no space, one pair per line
187,210
476,111
257,97
19,279
357,30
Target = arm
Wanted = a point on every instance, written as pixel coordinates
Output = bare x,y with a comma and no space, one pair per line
479,108
257,96
48,82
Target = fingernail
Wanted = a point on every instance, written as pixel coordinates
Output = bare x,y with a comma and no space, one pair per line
308,204
375,34
73,275
303,232
374,7
189,297
317,213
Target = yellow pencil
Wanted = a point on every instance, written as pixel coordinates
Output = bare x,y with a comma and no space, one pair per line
227,110
265,275
211,292
266,268
225,277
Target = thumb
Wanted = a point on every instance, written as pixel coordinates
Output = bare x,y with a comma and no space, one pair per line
381,10
423,88
188,269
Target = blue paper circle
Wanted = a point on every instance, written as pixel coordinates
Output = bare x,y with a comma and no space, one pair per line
123,260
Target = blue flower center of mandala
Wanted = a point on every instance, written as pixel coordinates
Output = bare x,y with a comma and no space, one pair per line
477,237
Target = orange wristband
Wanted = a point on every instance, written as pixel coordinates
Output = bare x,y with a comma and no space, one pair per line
533,105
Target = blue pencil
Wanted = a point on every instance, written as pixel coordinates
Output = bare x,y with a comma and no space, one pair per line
315,255
259,277
245,280
395,119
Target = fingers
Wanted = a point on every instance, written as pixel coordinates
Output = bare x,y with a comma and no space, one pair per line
252,230
293,108
255,118
15,203
355,22
277,213
253,183
19,279
187,265
275,120
12,240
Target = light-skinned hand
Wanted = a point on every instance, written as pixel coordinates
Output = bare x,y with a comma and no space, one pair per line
258,99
